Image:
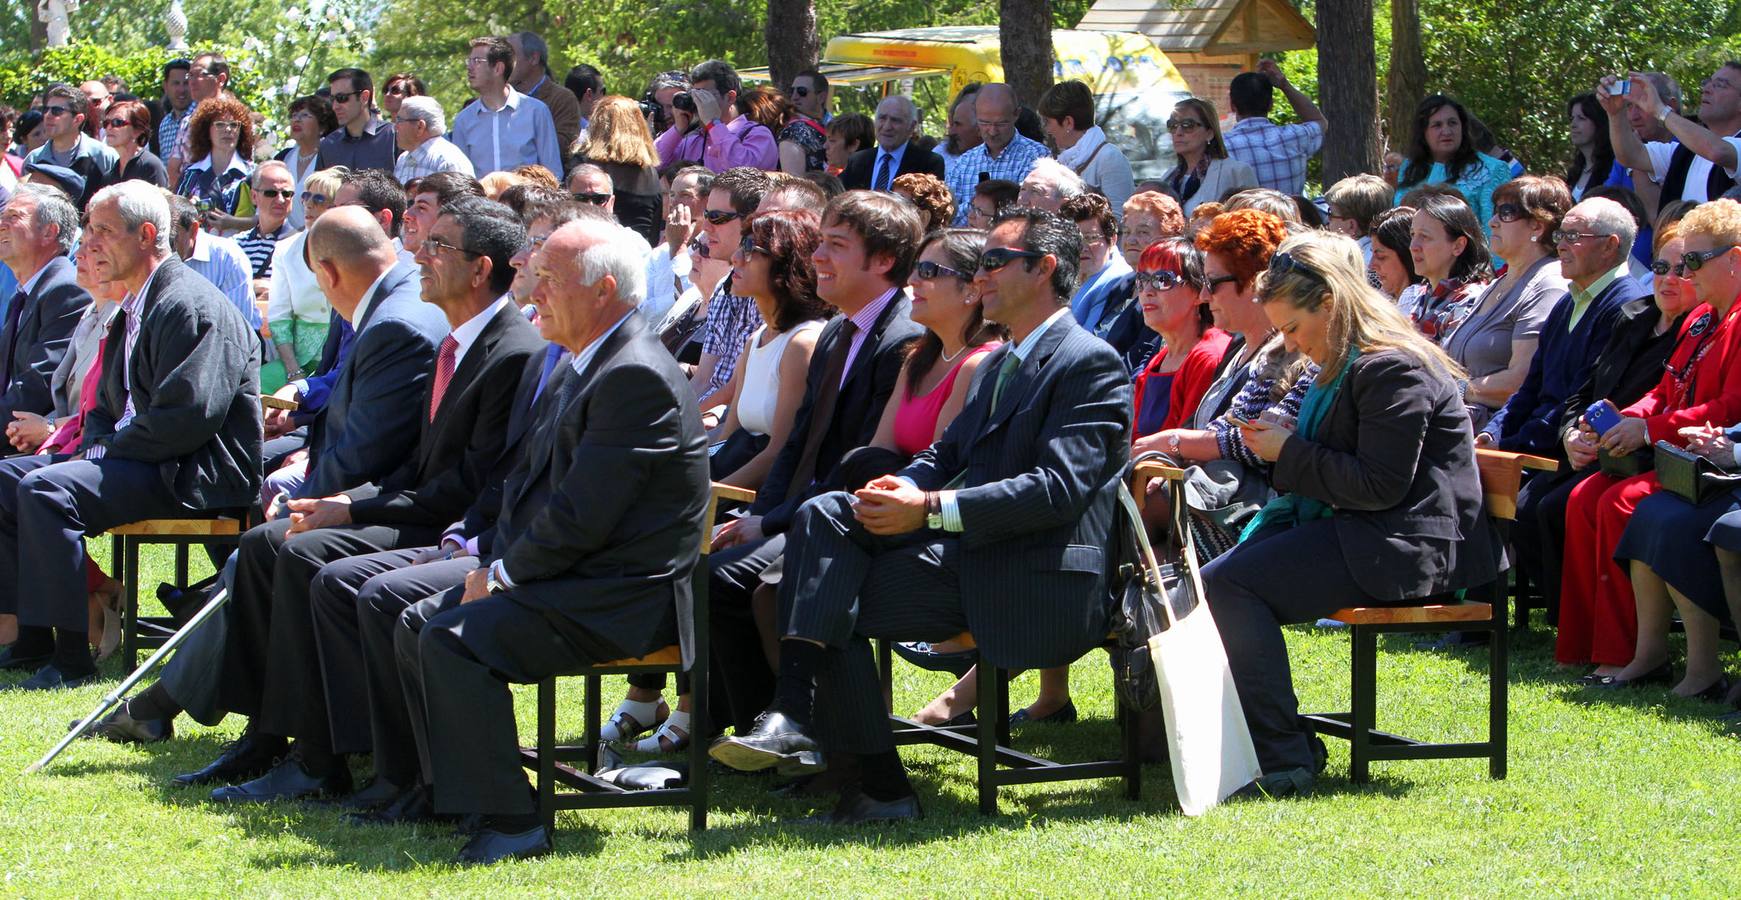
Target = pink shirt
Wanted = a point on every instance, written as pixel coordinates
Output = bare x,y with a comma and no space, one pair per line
916,417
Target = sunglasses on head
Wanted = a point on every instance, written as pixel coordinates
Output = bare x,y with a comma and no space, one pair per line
931,271
270,194
596,199
1284,262
1664,267
1158,281
995,259
720,216
1695,260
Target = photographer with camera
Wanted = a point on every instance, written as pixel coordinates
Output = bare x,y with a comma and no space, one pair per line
708,127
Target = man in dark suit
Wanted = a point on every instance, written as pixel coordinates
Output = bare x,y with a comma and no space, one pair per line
868,248
998,529
176,428
462,419
595,546
37,229
876,168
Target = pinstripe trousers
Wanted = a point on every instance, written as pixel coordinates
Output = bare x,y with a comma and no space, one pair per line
843,586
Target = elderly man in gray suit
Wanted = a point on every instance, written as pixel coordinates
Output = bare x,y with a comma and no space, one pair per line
998,529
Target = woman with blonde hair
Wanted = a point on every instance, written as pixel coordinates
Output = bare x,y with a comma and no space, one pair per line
1379,493
618,141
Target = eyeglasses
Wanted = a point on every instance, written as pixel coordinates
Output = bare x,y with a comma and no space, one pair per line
1158,281
748,246
1185,125
995,259
1215,281
302,114
596,199
55,111
316,199
270,194
227,126
406,121
476,61
720,216
1563,236
931,271
1509,212
344,96
1696,259
117,123
433,245
398,91
1663,267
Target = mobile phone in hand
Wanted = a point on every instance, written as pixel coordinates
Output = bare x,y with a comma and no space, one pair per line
1602,416
1243,423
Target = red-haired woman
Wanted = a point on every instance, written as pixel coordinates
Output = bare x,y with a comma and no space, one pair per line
1169,284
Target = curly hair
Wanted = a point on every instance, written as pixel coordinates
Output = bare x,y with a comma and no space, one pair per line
1244,239
789,236
220,108
1092,207
1159,205
930,194
318,107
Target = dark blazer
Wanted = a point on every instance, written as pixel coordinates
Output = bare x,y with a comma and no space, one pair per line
1041,487
481,517
369,423
1629,366
860,167
1396,459
859,408
601,519
461,450
196,391
45,329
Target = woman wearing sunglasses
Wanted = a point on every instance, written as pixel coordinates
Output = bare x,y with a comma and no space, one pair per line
1205,172
297,313
127,128
1497,340
1169,286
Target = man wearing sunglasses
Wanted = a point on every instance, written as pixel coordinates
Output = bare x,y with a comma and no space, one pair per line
1703,159
68,146
810,93
362,140
998,528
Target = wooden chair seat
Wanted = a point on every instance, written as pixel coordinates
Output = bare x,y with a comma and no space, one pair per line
220,526
664,656
148,632
1414,615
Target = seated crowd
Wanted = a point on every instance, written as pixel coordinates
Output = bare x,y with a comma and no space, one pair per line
517,345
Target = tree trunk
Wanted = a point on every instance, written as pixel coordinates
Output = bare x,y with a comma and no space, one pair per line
38,28
1348,87
1408,71
793,45
1025,41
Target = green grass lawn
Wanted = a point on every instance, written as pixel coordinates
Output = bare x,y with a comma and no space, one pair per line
1608,794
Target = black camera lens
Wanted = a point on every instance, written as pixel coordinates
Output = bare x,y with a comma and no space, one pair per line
684,102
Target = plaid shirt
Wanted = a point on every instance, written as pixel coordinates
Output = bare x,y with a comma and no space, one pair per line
730,322
1277,153
170,128
1013,165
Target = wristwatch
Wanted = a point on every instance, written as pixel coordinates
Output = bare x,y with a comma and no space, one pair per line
1173,444
491,584
933,511
1662,111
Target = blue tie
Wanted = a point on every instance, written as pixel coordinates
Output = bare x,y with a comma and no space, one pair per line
882,181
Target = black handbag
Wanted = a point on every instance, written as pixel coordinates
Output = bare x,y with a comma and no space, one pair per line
1635,463
1690,476
1141,583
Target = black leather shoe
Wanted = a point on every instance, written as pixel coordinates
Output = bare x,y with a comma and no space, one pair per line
489,846
377,793
245,758
122,728
289,780
10,661
857,808
776,742
1662,674
1716,693
413,806
1063,715
1289,783
49,678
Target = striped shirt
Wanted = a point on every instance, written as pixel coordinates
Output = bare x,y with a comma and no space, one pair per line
259,248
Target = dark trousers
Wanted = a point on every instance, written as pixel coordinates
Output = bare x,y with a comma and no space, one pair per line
1279,576
843,586
456,662
743,684
1539,533
380,600
47,506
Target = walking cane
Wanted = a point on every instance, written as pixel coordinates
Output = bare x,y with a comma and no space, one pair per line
115,696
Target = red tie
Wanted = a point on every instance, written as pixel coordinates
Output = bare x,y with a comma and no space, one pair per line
443,373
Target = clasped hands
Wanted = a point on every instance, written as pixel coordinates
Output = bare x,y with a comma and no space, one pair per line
326,512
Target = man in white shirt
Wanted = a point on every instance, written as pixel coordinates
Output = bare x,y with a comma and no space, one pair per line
418,128
504,128
1702,160
220,260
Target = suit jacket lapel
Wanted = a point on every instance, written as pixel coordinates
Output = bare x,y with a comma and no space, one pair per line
395,277
1022,380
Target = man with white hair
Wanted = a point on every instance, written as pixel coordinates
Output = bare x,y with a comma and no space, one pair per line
876,168
594,549
176,428
1049,184
38,227
420,128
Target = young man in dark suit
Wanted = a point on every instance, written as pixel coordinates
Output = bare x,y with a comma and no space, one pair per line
595,547
37,230
869,242
462,418
876,168
999,528
176,429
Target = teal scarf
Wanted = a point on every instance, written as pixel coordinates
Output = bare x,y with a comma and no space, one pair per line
1292,509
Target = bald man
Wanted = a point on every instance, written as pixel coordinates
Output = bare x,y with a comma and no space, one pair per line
876,168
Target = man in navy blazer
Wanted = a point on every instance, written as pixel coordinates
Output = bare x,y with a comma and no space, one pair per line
999,528
876,168
37,229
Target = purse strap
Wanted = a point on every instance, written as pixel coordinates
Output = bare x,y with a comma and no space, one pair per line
1181,537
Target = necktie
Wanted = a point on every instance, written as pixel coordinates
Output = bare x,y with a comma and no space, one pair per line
822,411
13,311
882,181
1011,362
552,356
443,373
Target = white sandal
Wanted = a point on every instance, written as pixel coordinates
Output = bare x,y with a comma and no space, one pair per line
633,717
675,730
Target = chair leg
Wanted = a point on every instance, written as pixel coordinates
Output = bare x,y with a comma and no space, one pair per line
1131,737
1520,590
547,754
181,564
698,732
126,552
1498,704
992,711
593,711
1362,684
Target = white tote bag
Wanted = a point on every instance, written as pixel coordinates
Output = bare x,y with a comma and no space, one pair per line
1208,741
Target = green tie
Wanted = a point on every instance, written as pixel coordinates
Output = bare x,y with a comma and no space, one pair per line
1011,362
